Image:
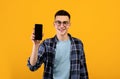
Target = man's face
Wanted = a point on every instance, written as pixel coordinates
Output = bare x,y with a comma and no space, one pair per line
62,24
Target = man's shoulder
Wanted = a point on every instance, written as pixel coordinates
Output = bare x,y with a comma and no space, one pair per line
49,40
77,40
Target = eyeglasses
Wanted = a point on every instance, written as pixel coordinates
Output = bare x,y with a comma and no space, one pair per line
58,23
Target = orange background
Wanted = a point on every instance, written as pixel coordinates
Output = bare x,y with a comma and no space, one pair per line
95,22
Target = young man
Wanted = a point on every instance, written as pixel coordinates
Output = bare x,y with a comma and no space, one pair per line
63,55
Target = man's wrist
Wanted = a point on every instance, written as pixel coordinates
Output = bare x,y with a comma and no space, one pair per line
36,45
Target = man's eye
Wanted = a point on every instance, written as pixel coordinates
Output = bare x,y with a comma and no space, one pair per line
59,22
65,22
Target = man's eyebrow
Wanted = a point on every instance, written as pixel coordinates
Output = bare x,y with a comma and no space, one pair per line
62,21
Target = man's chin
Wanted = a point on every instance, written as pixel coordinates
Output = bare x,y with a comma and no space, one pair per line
62,34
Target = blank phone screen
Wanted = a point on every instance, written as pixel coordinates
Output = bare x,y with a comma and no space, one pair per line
38,31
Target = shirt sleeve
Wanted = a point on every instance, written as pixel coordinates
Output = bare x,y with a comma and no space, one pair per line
83,67
40,60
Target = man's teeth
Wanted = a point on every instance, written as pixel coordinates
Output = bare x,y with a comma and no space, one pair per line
61,29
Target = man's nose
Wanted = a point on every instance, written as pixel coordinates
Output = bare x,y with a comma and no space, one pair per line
61,25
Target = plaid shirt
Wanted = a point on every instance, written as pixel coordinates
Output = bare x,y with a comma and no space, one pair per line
46,55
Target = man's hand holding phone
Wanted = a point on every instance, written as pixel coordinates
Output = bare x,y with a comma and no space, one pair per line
36,38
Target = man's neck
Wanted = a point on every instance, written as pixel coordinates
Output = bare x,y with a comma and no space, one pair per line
63,37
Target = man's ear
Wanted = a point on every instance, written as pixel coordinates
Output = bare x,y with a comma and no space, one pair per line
54,24
70,24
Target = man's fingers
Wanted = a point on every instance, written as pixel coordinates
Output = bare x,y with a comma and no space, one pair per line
32,36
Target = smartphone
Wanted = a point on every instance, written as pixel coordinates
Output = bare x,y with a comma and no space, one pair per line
38,31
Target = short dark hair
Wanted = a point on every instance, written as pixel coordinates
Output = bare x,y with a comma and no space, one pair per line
62,13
